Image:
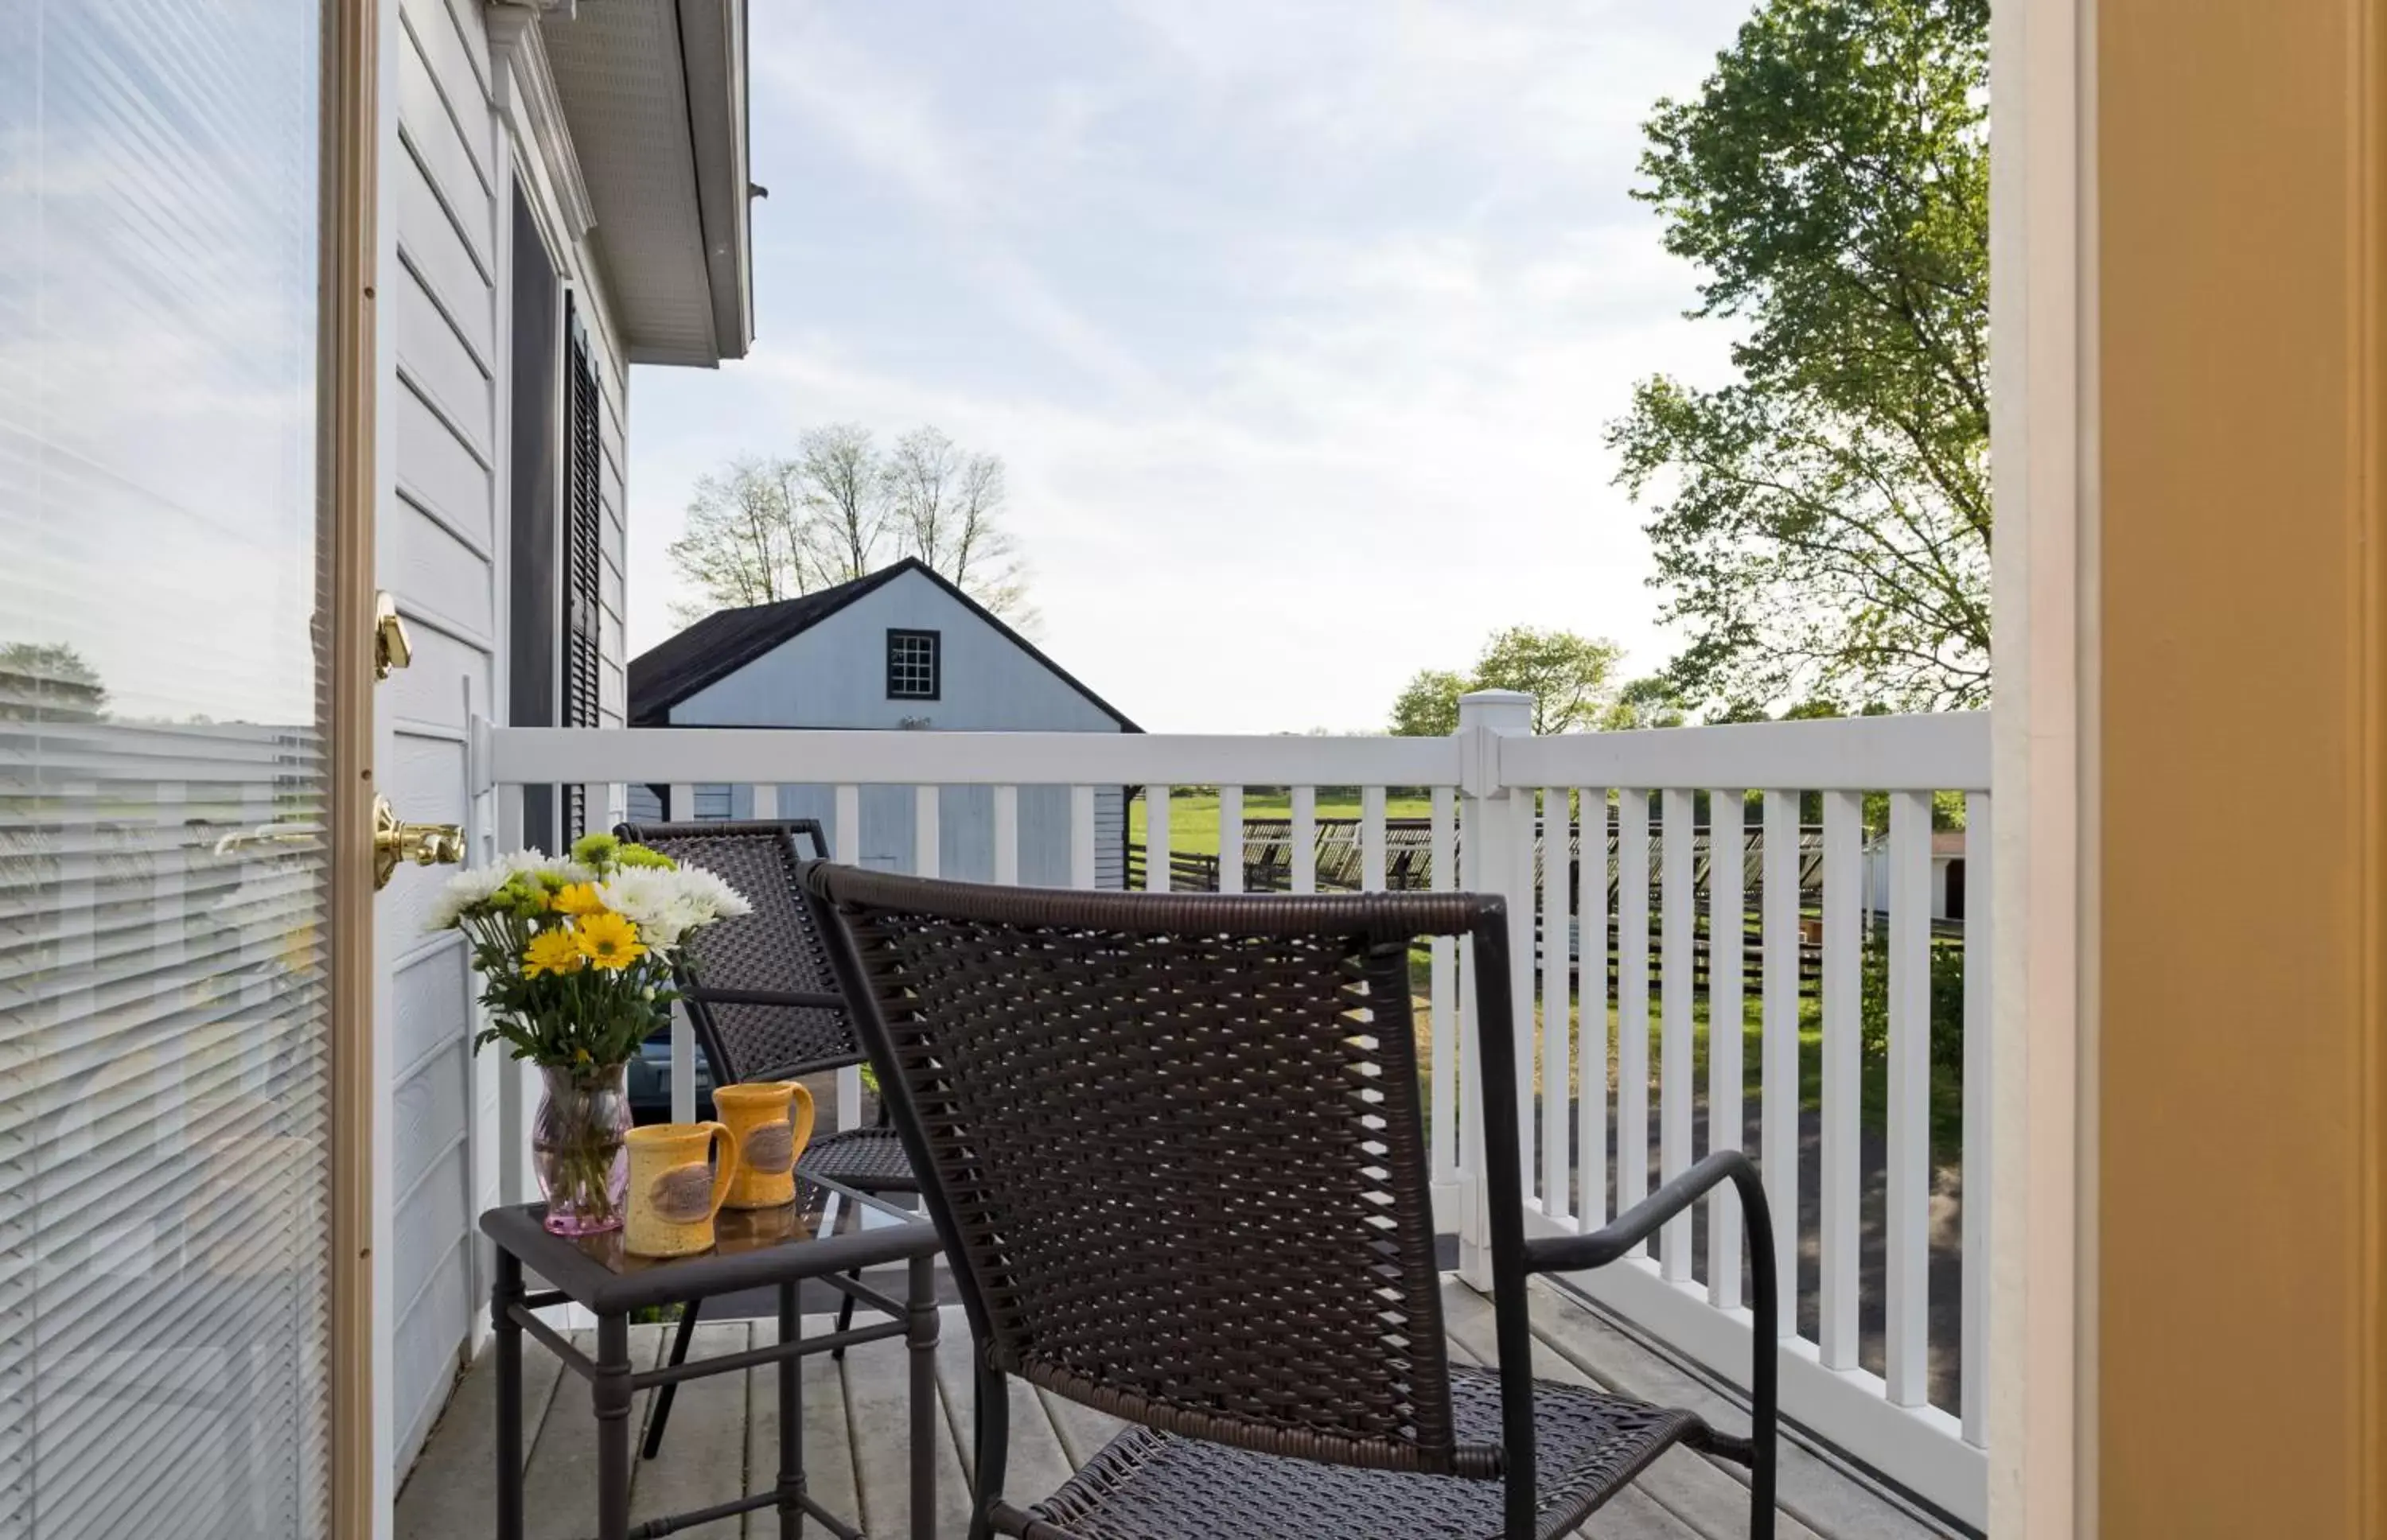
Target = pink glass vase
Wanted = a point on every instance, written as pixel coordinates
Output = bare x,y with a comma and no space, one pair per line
577,1147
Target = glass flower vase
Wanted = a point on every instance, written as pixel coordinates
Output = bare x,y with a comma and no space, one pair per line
577,1147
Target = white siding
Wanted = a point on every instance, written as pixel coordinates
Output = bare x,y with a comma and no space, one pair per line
437,539
834,674
441,538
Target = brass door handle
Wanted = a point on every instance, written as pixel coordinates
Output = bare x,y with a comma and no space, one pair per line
425,844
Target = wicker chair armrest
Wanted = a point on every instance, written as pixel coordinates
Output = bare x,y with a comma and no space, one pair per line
1579,1253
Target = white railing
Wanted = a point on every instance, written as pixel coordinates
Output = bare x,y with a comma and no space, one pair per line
1494,795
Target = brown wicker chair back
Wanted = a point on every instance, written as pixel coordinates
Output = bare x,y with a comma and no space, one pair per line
1177,1144
760,989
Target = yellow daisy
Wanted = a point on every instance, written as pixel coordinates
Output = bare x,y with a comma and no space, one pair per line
610,942
580,898
555,949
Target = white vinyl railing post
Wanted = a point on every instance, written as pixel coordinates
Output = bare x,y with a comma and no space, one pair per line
1678,913
683,1064
518,1088
1486,844
845,844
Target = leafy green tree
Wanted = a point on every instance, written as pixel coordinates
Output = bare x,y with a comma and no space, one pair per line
1572,679
1822,523
1650,701
1428,704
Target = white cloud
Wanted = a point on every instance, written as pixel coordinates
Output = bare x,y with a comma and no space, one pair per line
1298,329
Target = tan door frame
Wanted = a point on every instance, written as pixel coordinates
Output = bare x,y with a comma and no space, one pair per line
351,137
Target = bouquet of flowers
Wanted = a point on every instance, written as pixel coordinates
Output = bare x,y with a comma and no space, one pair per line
574,956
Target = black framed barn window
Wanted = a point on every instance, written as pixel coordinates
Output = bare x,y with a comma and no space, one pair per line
583,524
913,668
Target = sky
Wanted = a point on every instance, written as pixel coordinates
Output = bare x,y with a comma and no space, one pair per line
1296,324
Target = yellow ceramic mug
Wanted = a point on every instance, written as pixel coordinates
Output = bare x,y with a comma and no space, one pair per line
674,1193
771,1135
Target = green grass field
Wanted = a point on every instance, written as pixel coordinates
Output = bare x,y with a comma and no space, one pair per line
1194,813
1873,1071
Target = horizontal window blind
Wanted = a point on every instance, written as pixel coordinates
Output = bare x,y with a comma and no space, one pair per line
164,1233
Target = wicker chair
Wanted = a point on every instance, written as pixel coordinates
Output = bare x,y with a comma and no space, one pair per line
766,1006
1175,1149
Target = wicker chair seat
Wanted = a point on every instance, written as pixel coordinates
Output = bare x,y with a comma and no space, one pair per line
1147,1485
867,1159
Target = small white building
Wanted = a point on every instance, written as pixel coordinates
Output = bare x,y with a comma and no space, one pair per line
900,650
1947,874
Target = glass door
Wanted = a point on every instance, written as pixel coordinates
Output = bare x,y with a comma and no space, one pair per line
164,1029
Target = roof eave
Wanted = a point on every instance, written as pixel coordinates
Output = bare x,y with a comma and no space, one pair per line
712,54
654,95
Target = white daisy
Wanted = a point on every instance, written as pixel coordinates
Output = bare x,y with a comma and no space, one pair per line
464,891
667,904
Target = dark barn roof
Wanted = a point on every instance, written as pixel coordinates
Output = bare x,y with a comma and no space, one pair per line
726,641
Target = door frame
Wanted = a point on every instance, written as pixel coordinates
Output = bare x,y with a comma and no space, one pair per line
347,324
2044,745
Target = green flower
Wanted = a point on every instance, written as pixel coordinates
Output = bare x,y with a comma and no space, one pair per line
640,855
595,850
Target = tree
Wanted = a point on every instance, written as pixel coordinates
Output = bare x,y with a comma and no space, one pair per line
1650,701
946,506
1428,704
1823,523
49,682
744,543
844,502
1570,677
763,529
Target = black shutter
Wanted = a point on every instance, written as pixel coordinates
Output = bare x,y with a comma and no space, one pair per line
534,625
583,524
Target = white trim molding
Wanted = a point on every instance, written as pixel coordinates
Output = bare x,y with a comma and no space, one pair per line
517,53
2042,1216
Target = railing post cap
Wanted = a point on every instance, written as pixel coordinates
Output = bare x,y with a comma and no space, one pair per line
1502,710
1486,717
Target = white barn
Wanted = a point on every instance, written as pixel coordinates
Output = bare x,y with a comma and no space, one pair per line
900,650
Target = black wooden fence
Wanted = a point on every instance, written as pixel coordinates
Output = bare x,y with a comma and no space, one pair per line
1408,865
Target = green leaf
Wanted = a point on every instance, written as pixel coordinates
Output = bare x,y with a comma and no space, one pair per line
1822,526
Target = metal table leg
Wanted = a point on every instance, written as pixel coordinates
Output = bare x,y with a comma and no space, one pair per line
791,1420
921,1336
503,1294
611,1391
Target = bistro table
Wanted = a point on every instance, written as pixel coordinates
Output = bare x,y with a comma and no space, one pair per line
828,1233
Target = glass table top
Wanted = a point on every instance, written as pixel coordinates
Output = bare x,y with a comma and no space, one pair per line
820,1210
